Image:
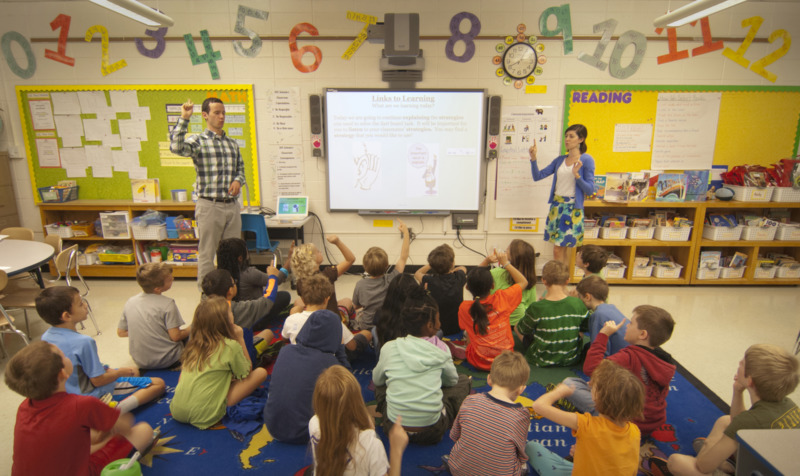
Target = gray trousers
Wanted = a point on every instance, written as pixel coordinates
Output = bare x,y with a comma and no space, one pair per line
215,221
582,397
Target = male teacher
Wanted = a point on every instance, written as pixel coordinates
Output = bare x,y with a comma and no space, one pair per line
220,175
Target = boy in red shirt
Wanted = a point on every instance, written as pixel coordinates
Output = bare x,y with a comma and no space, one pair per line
82,433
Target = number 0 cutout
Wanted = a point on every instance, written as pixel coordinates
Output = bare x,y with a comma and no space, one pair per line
5,43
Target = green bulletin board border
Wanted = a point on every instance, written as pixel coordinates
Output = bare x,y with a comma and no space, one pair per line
154,97
759,135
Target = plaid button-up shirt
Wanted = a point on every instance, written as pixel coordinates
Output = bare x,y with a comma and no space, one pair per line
216,159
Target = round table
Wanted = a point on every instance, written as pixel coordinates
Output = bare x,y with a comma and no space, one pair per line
20,256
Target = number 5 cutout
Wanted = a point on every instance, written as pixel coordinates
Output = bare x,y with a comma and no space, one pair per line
105,66
255,45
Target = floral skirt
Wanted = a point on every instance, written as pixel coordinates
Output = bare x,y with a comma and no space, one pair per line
564,225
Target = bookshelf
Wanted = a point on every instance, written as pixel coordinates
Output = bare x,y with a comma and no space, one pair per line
687,253
89,210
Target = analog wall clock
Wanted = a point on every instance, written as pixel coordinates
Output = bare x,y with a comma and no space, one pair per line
520,59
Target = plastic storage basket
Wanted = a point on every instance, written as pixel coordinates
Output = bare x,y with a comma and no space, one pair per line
58,194
591,233
705,273
613,233
722,233
617,272
751,194
786,194
665,272
764,273
150,232
787,233
119,258
759,233
732,273
642,271
641,233
787,272
62,231
673,233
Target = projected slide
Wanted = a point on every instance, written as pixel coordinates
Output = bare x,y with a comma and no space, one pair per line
404,150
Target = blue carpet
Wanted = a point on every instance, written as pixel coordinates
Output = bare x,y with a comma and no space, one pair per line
692,410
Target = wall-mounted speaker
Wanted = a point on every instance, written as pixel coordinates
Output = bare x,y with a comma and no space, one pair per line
493,112
315,118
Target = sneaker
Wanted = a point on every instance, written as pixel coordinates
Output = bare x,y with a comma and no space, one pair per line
550,387
106,398
562,403
446,462
658,466
698,444
274,348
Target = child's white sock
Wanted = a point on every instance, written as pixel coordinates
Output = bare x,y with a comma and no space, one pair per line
128,404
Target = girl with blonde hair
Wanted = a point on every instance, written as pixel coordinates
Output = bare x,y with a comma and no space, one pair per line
343,438
216,368
306,260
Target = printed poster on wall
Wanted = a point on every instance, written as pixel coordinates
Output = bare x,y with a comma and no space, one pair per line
517,195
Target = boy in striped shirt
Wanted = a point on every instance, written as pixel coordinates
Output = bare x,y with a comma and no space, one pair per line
551,328
490,431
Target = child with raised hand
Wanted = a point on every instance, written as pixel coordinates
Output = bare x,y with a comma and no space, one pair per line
306,260
232,255
79,433
486,319
607,444
216,369
445,283
343,438
522,256
491,430
416,379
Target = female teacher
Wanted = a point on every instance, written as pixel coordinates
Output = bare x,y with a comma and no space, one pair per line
574,179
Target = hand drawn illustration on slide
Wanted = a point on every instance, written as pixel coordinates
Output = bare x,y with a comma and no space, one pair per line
423,171
367,160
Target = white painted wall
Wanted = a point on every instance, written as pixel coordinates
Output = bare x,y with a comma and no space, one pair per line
273,68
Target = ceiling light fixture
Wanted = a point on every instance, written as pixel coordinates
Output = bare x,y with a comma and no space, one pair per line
136,11
693,11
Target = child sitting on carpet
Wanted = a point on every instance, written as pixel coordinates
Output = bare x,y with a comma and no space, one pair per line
446,285
593,291
306,260
491,430
486,319
79,434
343,439
370,292
604,444
551,327
412,372
768,373
319,346
251,282
649,328
151,321
389,322
63,308
592,259
318,290
523,257
216,369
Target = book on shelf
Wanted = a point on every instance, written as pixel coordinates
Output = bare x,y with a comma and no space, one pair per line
738,260
696,185
637,185
600,186
616,190
145,190
639,222
755,178
722,219
671,188
710,259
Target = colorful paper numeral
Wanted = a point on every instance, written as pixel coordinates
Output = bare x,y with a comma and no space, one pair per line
297,53
106,67
467,38
210,56
61,21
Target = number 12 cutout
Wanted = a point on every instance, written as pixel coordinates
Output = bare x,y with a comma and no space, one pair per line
759,66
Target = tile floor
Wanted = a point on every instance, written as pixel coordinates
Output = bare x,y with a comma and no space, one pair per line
715,324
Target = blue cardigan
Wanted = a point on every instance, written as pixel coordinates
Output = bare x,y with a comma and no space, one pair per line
583,186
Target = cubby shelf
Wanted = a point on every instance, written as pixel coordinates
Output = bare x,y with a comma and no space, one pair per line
687,253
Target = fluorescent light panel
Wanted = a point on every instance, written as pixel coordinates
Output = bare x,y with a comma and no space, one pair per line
136,11
693,11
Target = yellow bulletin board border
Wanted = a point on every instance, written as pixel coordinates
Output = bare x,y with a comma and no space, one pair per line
156,98
757,125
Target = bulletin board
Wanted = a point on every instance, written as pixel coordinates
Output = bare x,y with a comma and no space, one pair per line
113,109
757,125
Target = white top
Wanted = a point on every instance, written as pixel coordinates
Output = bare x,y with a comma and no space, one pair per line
295,322
17,256
565,181
367,456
